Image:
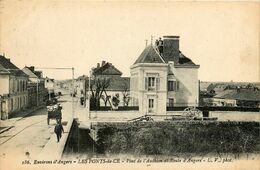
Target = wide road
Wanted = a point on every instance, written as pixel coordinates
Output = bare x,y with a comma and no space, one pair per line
31,133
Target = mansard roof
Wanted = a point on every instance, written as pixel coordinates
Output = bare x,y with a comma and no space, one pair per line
149,55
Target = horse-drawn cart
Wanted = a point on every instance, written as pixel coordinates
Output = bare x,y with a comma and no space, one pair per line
54,112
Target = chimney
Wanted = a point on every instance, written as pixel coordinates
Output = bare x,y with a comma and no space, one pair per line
103,63
171,48
98,65
31,68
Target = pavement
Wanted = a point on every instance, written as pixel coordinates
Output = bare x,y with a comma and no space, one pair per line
28,132
9,123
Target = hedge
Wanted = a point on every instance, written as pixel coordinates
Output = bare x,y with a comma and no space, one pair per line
171,138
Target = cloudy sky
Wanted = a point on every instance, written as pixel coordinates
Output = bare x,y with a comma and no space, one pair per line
223,38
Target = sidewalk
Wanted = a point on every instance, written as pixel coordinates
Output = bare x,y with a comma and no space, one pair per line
53,149
9,123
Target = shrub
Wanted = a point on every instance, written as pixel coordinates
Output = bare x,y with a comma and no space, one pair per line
170,138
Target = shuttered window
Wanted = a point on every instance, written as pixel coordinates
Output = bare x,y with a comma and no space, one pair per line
173,85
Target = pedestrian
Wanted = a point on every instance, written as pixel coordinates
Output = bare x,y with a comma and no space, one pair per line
58,130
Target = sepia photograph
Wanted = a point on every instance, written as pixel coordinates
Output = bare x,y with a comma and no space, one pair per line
129,84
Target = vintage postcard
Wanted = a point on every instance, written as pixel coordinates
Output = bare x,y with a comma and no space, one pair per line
129,84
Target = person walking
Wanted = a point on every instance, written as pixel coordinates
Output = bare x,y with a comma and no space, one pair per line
58,130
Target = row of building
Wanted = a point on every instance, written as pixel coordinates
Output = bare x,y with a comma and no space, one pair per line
231,94
20,89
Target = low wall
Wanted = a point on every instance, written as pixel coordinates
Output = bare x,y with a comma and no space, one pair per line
217,108
114,115
235,116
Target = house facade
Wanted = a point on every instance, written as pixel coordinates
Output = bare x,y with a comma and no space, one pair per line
118,85
13,88
163,77
49,84
36,88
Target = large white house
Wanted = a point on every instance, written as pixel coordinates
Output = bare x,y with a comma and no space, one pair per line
163,77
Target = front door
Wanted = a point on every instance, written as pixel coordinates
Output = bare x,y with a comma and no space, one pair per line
151,105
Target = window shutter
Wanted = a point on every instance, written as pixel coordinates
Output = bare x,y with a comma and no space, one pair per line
158,83
146,83
177,85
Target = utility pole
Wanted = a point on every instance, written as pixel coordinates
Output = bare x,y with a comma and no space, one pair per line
146,43
151,39
73,92
89,94
84,91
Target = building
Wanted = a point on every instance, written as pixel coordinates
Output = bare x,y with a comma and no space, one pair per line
36,88
118,85
249,97
13,88
163,77
49,84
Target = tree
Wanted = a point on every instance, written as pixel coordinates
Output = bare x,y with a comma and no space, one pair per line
116,100
105,98
126,97
97,87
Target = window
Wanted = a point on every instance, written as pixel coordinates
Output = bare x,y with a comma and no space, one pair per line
151,103
151,81
170,85
173,85
171,102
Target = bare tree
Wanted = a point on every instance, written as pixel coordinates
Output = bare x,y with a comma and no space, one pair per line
97,87
105,98
126,96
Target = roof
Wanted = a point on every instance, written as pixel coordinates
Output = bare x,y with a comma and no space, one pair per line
149,55
183,60
3,70
82,78
119,84
241,94
116,83
7,67
28,71
107,69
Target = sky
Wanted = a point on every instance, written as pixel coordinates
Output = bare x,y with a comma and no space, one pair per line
223,37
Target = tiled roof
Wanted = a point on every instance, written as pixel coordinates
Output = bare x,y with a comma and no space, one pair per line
242,94
10,67
107,69
183,60
3,70
117,83
27,71
149,55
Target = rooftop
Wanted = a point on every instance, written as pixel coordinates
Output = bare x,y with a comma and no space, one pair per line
240,94
106,69
7,67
